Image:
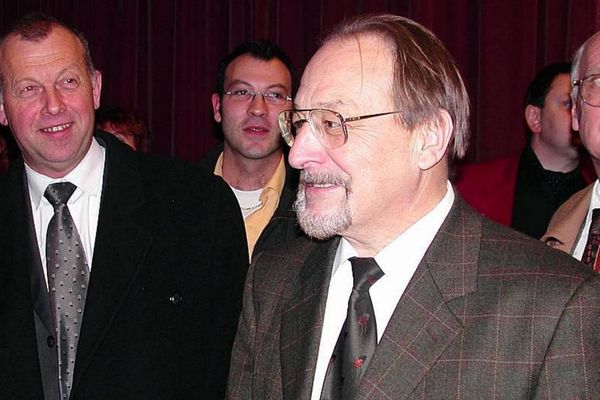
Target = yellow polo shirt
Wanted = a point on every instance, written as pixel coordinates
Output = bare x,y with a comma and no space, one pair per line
269,197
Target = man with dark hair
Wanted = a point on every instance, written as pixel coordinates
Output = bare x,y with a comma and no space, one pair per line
403,291
524,191
120,273
255,82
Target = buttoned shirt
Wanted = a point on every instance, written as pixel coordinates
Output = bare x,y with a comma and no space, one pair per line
398,260
256,222
594,203
84,203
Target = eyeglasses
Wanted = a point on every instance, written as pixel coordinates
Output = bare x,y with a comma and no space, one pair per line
589,89
328,126
247,95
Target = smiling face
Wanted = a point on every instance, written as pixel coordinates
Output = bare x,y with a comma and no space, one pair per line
250,128
49,100
369,185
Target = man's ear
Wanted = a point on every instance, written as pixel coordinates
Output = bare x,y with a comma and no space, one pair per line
96,87
216,103
533,117
3,117
575,115
433,140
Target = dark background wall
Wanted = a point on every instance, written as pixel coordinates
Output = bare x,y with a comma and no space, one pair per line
160,57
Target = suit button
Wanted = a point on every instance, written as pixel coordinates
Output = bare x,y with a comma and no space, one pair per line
50,341
176,298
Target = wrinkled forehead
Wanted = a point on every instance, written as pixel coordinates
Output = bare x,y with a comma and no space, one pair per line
15,51
590,61
353,68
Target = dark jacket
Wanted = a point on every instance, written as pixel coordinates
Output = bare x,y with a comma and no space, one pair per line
283,226
164,293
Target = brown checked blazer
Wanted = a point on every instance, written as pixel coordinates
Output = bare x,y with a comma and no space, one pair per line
488,314
567,223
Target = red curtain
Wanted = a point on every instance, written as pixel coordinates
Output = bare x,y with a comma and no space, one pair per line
160,57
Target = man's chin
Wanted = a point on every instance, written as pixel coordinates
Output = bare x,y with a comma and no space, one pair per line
325,225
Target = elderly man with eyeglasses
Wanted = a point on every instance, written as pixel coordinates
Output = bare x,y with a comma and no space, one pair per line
254,84
575,227
402,290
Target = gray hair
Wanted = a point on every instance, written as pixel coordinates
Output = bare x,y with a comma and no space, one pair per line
426,78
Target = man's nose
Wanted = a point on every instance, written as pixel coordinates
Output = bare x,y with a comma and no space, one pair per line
258,105
54,101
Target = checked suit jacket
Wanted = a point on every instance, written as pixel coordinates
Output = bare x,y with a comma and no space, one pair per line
488,314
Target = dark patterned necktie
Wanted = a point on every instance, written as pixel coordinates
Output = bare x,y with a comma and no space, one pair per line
590,251
68,276
358,339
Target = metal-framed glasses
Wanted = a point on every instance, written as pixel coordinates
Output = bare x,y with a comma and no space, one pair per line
328,126
247,95
589,89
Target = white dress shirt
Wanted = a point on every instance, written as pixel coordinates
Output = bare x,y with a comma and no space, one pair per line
594,203
398,260
84,204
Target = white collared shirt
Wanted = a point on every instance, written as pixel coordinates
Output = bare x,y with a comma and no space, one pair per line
398,260
594,203
84,204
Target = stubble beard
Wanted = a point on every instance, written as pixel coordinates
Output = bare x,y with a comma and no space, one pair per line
325,224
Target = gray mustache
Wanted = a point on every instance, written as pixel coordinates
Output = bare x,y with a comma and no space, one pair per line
325,178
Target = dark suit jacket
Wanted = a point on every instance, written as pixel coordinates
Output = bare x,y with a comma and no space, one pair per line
283,226
165,286
489,313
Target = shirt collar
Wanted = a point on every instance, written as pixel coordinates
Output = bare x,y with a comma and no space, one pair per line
275,183
87,176
412,243
595,200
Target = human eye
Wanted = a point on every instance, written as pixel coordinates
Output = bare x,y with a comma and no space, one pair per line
331,123
240,92
595,81
69,82
27,90
298,122
275,95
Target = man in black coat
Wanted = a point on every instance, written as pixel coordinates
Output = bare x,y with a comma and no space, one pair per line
164,244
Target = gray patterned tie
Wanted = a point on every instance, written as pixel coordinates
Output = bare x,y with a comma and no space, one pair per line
358,337
68,276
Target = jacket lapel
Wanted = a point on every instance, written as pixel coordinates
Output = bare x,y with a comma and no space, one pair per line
119,250
302,322
24,244
567,223
424,322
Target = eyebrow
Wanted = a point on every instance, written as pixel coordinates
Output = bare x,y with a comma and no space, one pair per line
242,82
27,78
329,105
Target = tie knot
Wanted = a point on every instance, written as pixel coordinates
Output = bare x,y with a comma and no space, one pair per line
365,272
59,193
